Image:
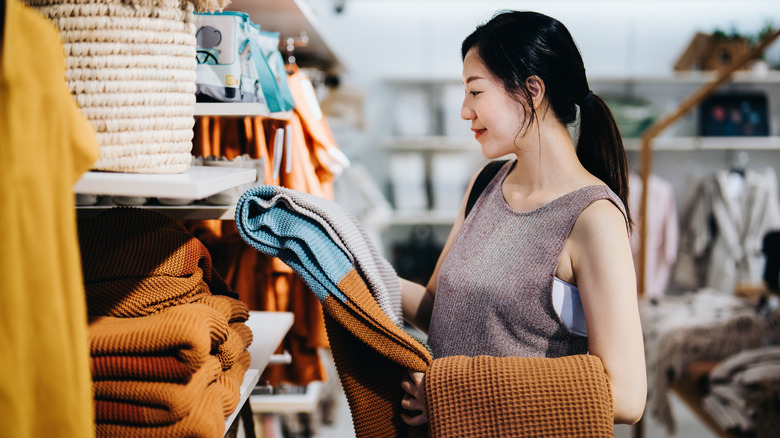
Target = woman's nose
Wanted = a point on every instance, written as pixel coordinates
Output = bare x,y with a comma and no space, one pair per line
466,113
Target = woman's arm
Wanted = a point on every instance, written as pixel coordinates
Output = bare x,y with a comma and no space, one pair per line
604,272
416,299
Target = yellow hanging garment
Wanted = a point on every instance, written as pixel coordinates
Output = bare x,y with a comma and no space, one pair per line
45,146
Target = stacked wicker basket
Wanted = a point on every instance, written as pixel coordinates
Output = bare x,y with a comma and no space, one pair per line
131,65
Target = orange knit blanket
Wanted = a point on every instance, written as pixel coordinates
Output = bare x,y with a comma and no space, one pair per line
206,420
523,397
188,332
137,262
371,354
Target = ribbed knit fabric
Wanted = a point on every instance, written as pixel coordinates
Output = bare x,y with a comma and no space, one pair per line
137,262
238,340
206,420
501,269
519,397
152,403
336,225
370,350
167,368
233,309
188,332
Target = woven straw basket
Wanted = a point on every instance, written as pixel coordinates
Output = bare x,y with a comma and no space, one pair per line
131,65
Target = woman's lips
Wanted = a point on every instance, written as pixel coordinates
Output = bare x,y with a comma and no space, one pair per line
478,132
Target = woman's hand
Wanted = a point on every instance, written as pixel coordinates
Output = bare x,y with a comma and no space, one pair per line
413,384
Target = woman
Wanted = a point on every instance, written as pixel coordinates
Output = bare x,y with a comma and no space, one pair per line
542,266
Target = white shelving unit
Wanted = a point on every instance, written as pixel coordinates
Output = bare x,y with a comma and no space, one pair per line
250,381
238,109
678,147
196,183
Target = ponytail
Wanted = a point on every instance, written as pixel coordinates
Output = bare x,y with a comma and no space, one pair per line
600,147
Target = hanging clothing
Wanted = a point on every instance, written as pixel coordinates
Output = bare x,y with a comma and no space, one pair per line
662,231
45,384
725,226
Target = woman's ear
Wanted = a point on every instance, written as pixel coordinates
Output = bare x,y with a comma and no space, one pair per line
535,86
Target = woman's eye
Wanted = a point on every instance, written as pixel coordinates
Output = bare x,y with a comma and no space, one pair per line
474,93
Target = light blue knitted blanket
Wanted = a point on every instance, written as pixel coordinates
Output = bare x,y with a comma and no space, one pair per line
319,240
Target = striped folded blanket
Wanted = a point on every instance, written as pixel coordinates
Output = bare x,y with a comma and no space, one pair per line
370,349
340,228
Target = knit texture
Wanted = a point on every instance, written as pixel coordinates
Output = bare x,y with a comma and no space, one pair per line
151,403
187,332
519,397
137,262
150,368
501,268
341,228
370,350
206,420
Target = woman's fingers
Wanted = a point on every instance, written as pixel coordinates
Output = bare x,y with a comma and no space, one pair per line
411,404
417,420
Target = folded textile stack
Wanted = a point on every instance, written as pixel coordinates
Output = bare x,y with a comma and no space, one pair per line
735,387
706,325
137,262
317,239
167,355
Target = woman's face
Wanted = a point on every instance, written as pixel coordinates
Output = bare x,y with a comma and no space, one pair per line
496,118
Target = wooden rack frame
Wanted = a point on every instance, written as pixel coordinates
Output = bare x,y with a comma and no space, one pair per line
646,157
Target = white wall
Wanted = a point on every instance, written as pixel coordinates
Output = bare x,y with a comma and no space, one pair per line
391,38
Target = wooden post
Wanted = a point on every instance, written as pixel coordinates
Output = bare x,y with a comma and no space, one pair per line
664,122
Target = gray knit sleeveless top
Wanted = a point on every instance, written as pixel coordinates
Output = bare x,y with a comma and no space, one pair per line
494,295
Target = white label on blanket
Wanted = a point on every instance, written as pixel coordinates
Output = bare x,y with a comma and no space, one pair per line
311,98
278,146
288,149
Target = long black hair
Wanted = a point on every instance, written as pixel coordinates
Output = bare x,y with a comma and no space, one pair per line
515,45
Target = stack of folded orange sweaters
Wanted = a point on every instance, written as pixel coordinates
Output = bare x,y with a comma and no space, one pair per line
168,339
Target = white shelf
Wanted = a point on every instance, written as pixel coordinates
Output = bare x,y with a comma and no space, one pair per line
771,77
268,331
288,403
433,143
289,18
184,212
251,378
197,183
694,77
237,109
706,143
430,217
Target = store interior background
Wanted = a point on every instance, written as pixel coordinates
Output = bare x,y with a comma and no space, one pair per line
392,50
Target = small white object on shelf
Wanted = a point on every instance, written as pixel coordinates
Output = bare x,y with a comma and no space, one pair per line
197,183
